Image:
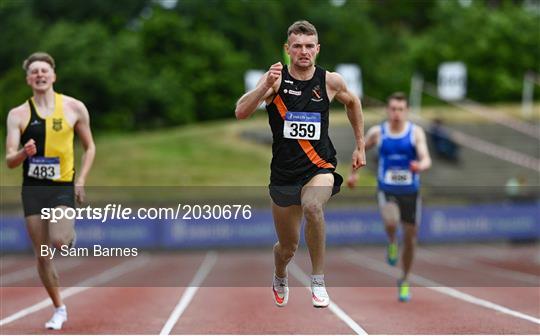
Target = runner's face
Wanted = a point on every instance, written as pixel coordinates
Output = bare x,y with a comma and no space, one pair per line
302,49
40,76
397,111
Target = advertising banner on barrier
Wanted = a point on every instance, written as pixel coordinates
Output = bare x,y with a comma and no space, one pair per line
343,226
119,233
480,222
13,236
258,230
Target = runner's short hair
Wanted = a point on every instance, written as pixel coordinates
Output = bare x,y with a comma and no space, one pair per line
38,56
400,96
302,27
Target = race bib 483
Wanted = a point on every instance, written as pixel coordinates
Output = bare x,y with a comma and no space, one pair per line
302,125
44,167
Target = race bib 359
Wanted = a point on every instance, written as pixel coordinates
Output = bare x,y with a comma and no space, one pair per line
302,125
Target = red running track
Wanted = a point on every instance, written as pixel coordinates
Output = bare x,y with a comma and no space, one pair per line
464,289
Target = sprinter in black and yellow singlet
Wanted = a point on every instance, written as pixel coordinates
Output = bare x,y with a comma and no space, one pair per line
45,126
303,176
53,137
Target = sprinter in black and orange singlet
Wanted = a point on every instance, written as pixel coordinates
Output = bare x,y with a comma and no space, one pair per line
303,175
45,126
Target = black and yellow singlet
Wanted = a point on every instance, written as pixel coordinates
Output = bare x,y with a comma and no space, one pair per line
53,162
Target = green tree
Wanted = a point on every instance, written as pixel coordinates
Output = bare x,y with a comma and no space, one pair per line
498,45
19,32
202,63
114,15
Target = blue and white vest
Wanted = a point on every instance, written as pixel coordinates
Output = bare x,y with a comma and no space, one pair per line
396,151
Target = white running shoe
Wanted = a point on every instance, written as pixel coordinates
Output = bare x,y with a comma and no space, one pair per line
319,296
280,289
58,318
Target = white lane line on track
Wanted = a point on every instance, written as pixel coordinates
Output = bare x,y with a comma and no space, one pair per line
467,264
104,277
205,268
29,272
381,267
334,308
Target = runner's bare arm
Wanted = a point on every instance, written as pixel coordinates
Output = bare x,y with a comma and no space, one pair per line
354,112
266,87
82,128
372,137
424,160
14,155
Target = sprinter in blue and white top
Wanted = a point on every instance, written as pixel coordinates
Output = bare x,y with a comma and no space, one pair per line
396,152
403,154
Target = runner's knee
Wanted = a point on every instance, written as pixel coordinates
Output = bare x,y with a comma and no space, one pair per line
287,251
390,226
61,238
312,210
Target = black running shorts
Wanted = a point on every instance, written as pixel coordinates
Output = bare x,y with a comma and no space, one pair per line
291,194
410,205
35,198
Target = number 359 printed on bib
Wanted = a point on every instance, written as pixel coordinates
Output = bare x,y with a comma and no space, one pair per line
302,126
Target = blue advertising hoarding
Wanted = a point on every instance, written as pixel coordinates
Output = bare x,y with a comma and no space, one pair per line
344,226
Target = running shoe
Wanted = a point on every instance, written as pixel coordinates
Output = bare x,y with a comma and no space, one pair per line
404,294
319,296
392,254
280,289
58,319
